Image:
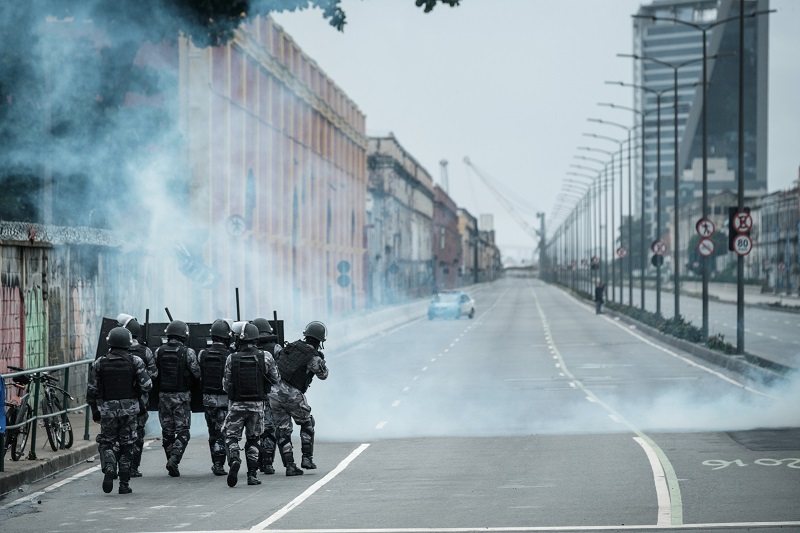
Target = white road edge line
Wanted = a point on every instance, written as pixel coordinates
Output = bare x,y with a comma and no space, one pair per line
662,491
310,490
52,487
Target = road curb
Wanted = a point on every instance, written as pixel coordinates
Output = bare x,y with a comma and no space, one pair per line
10,481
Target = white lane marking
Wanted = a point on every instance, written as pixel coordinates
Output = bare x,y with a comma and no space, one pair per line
662,491
381,424
433,359
590,399
395,403
424,368
533,529
406,389
310,490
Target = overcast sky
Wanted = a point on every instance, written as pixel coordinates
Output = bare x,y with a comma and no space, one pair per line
510,84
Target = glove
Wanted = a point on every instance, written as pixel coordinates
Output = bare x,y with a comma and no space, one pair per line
95,414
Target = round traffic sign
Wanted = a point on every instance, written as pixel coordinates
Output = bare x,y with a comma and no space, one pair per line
781,266
742,222
621,252
704,227
742,244
705,247
595,260
659,247
657,260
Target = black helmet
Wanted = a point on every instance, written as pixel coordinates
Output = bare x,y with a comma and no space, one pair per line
177,328
249,333
130,323
237,328
119,337
264,327
316,330
220,329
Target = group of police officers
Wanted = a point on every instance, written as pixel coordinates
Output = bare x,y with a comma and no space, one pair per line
250,382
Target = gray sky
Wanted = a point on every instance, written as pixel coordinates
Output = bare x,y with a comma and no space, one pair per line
511,84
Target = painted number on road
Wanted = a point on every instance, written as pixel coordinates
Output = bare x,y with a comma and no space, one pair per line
717,464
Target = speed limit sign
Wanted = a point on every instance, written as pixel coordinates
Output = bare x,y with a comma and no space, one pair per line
742,244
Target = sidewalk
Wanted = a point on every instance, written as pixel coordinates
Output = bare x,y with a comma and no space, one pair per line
16,474
727,292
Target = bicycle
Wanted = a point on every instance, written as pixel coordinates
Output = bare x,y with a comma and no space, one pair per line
20,413
57,427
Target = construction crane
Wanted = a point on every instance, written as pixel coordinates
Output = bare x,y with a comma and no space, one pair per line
530,230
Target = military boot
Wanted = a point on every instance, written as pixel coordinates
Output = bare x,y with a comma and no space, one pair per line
109,474
218,470
234,463
124,488
292,470
252,477
307,463
266,462
172,466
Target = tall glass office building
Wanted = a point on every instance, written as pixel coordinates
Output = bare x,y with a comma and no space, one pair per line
664,46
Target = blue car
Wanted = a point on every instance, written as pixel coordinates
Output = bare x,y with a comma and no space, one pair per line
451,304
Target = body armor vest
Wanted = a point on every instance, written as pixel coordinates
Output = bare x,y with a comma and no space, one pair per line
212,368
248,376
293,362
172,371
117,378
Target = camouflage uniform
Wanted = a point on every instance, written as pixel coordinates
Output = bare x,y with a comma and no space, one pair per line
289,402
117,416
268,439
174,407
246,414
215,402
149,360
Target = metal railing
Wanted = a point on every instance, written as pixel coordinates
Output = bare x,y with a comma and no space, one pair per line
36,395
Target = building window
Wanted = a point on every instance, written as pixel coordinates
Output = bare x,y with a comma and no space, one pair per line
441,238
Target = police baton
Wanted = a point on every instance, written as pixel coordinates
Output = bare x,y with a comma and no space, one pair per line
146,326
168,313
238,315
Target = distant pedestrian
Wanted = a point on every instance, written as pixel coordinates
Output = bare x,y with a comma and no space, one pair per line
298,363
177,366
118,380
599,297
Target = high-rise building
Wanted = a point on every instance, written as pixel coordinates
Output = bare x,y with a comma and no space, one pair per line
663,47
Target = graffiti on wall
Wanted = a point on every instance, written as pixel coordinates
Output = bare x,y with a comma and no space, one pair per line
35,329
12,322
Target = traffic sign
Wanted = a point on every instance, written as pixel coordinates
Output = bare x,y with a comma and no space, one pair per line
742,222
781,266
659,247
742,244
705,228
657,260
705,247
595,260
621,252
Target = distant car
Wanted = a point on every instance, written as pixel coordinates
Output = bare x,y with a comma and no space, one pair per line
451,304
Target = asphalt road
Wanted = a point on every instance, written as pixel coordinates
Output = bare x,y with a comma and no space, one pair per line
535,415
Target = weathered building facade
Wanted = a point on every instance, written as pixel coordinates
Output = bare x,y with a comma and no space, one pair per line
399,213
447,253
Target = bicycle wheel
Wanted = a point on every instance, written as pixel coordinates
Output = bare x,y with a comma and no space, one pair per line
50,424
21,440
63,425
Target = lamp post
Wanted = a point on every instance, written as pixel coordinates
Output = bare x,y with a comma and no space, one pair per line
704,28
628,130
642,254
592,194
604,236
619,143
658,95
676,174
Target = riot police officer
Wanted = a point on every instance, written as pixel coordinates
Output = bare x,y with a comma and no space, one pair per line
149,360
215,400
177,365
268,343
298,363
118,380
246,380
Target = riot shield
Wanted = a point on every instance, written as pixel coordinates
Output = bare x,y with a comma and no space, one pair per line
105,328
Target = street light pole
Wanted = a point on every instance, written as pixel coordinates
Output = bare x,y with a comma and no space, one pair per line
658,178
675,172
